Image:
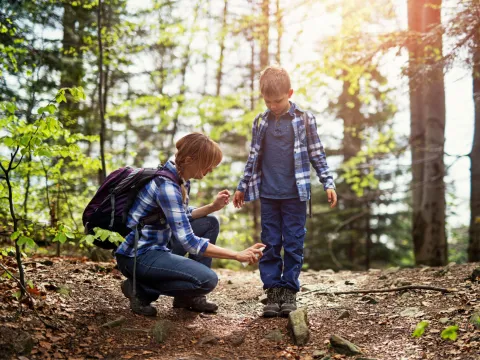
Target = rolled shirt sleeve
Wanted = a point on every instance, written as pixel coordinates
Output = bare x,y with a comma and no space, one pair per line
169,198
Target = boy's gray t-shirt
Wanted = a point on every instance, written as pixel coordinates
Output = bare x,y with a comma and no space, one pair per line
278,167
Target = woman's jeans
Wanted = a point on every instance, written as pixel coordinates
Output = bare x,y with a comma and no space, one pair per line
283,225
170,273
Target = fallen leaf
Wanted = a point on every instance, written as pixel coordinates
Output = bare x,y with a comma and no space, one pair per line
45,345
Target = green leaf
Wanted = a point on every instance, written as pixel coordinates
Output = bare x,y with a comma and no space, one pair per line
30,284
450,332
31,243
17,294
60,97
420,328
22,240
10,108
15,235
88,239
8,141
44,152
51,108
60,237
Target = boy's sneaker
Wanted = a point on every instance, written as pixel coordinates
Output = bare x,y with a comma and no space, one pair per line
137,305
272,309
289,301
196,303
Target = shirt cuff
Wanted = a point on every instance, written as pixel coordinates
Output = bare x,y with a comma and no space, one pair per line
242,186
189,213
203,246
329,185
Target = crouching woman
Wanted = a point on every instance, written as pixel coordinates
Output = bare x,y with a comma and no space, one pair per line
160,267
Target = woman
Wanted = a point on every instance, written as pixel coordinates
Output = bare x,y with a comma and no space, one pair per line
161,268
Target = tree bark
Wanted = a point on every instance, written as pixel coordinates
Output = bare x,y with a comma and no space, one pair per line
72,68
102,172
183,86
279,20
351,145
222,48
264,35
417,121
431,249
474,230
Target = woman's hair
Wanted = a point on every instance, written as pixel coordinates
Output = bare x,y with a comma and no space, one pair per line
200,148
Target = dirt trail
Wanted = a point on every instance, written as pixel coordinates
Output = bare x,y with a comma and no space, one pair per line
79,296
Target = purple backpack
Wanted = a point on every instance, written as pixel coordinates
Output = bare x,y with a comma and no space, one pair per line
110,205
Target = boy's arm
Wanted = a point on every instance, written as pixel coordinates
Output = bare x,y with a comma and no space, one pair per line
248,171
316,153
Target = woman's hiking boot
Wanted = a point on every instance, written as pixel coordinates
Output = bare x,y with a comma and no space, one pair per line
272,308
196,303
137,305
288,301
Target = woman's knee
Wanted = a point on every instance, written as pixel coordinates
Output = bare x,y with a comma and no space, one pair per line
210,282
214,226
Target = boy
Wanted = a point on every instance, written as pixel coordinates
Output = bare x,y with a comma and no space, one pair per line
284,143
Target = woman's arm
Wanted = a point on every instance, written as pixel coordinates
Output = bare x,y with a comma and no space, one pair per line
250,255
222,199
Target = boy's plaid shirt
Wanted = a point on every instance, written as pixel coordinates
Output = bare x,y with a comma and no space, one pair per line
307,149
164,193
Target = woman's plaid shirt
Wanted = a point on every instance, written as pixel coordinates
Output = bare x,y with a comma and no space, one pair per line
164,193
307,149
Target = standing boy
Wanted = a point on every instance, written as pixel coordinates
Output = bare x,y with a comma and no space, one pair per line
284,143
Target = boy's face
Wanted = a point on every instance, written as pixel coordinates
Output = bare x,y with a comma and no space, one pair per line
278,104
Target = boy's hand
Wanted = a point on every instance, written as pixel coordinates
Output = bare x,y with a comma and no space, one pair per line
223,198
238,199
332,197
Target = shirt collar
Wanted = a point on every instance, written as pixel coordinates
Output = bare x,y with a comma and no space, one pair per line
291,111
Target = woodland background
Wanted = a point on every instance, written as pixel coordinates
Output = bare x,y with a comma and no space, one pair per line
90,86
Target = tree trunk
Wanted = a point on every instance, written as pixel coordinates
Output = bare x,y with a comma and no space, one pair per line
352,143
417,121
103,171
222,48
72,72
474,231
432,247
279,20
264,34
183,87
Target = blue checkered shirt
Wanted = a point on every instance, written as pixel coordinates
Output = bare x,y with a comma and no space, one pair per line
307,149
164,193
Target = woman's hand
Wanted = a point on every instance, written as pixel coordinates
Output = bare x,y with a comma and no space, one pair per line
250,255
222,199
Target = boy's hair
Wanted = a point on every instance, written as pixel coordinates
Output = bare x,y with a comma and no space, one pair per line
274,81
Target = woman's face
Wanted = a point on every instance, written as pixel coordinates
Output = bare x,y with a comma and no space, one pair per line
194,170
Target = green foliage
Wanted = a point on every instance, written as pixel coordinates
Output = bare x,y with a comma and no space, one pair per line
450,333
102,235
420,328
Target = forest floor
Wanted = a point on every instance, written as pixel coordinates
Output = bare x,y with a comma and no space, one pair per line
78,297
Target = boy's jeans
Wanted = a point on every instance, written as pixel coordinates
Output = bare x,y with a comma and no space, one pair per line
172,274
283,224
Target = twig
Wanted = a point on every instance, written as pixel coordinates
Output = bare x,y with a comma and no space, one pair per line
31,299
369,291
